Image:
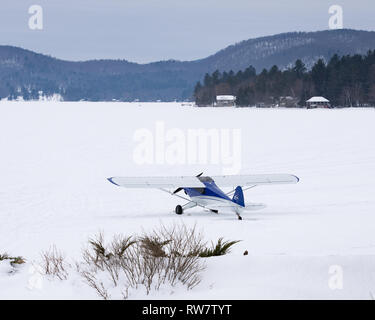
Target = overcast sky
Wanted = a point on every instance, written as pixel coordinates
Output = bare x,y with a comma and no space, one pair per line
150,30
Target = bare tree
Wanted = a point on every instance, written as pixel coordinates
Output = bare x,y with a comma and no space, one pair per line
54,264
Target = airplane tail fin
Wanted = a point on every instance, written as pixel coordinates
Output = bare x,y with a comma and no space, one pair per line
238,197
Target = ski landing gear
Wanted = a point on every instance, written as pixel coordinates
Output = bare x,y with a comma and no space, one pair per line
238,215
179,210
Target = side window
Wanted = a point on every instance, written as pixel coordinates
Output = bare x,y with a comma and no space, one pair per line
201,190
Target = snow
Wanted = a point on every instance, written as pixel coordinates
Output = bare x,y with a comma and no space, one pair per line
56,156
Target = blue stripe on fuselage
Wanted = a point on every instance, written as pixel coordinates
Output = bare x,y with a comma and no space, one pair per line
211,190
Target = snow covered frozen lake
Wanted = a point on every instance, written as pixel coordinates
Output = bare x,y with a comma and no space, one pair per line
55,158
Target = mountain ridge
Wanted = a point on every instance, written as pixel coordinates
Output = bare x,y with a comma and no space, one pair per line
24,72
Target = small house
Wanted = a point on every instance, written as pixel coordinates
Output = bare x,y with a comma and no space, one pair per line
225,101
317,102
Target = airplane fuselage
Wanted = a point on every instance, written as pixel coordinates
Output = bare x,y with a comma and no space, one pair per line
211,196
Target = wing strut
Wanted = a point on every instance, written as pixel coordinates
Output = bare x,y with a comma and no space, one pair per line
177,195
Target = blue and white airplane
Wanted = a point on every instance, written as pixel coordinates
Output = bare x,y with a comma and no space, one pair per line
204,192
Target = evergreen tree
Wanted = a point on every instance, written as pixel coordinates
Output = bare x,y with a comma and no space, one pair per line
318,75
299,68
345,81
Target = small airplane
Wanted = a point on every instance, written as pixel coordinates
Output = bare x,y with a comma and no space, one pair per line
203,191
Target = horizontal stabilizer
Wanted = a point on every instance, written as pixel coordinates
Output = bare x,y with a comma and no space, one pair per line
253,207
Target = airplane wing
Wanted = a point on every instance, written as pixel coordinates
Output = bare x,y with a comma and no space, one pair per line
195,182
157,182
254,179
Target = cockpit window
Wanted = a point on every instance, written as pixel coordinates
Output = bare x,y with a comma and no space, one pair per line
205,179
200,190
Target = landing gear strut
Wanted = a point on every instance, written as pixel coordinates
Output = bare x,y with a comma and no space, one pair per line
179,210
239,217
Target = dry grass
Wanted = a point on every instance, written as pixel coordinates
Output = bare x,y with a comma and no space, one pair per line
166,255
54,264
12,260
221,248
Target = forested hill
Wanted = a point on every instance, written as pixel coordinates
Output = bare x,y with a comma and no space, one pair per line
347,81
25,73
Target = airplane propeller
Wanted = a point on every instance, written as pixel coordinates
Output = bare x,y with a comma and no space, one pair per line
179,189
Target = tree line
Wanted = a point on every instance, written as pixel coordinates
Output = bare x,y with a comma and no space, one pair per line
347,81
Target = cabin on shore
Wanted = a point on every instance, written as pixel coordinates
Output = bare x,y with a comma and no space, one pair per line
317,102
225,101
